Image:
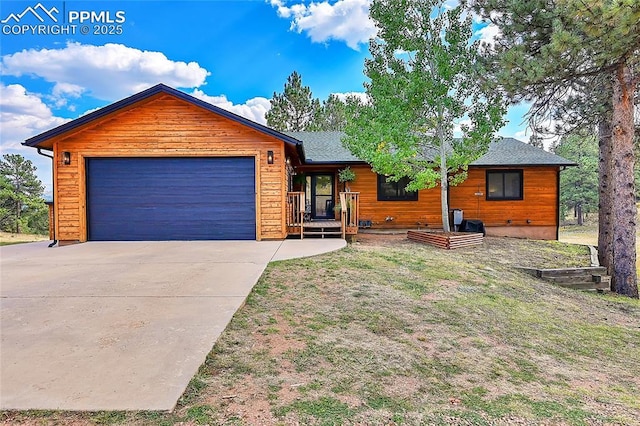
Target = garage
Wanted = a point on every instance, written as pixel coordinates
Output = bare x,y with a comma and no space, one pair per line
161,199
162,165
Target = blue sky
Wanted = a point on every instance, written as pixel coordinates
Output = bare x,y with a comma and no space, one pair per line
234,54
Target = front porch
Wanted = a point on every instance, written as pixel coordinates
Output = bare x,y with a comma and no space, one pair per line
299,221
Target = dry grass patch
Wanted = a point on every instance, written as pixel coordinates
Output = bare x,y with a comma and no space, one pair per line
7,238
389,331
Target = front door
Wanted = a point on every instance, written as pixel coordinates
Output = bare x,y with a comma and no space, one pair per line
320,191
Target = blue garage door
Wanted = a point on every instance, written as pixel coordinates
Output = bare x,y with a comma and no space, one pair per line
158,199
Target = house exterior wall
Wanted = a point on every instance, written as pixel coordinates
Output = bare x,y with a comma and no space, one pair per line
165,126
394,214
535,216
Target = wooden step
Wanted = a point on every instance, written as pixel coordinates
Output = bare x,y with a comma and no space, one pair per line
602,279
572,272
570,279
585,285
586,278
322,232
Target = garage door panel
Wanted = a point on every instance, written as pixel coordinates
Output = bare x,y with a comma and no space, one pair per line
171,198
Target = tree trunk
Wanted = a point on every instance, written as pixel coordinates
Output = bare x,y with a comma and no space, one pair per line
579,214
18,211
605,203
444,178
623,280
444,192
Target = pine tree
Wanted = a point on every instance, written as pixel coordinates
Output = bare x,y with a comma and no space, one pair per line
20,193
579,62
334,114
579,185
295,109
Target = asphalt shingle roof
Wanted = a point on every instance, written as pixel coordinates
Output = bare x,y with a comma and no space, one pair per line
326,147
512,152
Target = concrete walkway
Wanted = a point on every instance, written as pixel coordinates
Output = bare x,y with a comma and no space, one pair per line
121,325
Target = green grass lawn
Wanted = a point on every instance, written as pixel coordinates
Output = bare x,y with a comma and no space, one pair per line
390,331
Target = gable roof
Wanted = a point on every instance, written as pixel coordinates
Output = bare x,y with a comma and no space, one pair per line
512,152
153,91
311,147
325,147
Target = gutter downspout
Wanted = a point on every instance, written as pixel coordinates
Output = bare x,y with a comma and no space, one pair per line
53,225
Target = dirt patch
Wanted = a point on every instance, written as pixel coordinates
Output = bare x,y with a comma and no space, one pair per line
380,240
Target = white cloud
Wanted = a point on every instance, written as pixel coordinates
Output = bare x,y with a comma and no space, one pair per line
451,4
346,20
362,96
108,72
62,93
67,89
522,135
23,115
457,126
488,34
254,109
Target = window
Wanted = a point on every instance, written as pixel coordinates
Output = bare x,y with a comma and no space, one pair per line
394,191
504,185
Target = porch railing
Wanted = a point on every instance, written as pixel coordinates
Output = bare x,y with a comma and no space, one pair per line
349,212
295,213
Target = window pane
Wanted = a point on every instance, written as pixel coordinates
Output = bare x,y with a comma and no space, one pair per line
402,192
323,185
495,185
504,185
512,185
394,191
324,205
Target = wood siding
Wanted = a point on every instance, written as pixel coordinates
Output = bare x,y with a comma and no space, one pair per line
535,216
406,214
539,206
168,127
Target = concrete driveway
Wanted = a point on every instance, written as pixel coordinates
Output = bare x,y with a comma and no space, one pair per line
121,325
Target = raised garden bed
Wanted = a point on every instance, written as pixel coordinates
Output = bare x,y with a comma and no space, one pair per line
447,240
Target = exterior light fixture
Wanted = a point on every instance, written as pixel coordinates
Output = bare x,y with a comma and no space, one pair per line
288,161
269,157
66,158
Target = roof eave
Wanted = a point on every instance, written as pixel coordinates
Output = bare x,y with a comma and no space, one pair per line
321,162
525,165
300,151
